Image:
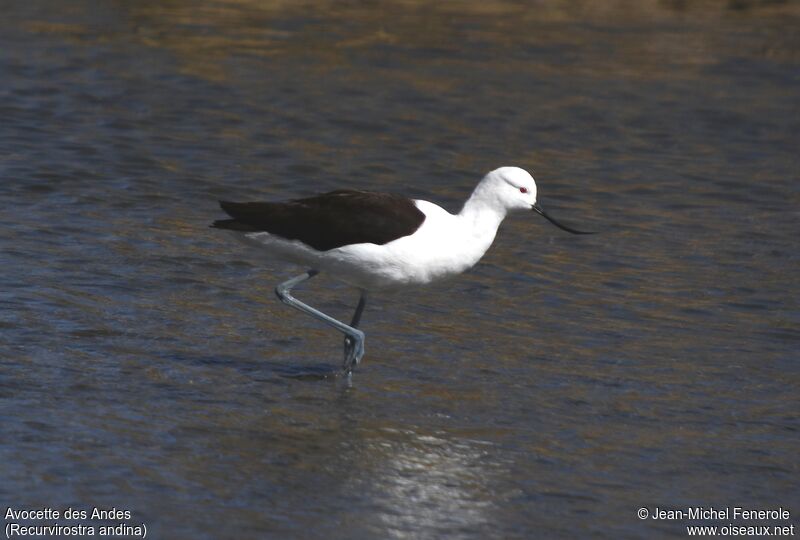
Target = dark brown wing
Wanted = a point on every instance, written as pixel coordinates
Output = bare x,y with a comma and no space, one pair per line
328,221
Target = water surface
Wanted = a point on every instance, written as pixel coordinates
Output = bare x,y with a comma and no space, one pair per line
550,392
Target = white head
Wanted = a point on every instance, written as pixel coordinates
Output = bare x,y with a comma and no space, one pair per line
511,188
504,189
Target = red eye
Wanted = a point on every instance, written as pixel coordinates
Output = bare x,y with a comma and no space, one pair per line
523,190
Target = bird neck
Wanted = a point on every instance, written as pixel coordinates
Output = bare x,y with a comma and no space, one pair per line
482,211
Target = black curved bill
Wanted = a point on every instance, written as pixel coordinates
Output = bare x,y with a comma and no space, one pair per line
538,210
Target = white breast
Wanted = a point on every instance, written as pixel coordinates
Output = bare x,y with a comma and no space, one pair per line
443,246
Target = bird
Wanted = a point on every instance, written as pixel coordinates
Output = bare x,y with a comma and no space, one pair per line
376,241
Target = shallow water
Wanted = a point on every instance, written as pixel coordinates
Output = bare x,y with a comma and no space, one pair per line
552,391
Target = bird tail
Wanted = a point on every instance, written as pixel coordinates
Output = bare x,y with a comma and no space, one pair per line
231,224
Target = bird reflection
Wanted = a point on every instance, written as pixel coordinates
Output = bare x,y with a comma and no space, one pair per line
424,484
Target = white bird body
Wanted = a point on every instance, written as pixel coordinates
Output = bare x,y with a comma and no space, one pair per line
379,241
444,245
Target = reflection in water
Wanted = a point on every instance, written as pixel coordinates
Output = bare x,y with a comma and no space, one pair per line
425,484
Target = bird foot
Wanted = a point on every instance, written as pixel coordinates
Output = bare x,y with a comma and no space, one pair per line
353,352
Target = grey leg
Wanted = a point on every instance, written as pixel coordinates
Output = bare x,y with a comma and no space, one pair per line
357,336
348,341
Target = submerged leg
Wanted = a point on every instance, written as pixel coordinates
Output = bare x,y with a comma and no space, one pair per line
349,361
284,292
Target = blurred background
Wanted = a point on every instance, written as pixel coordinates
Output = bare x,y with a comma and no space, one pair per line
552,391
